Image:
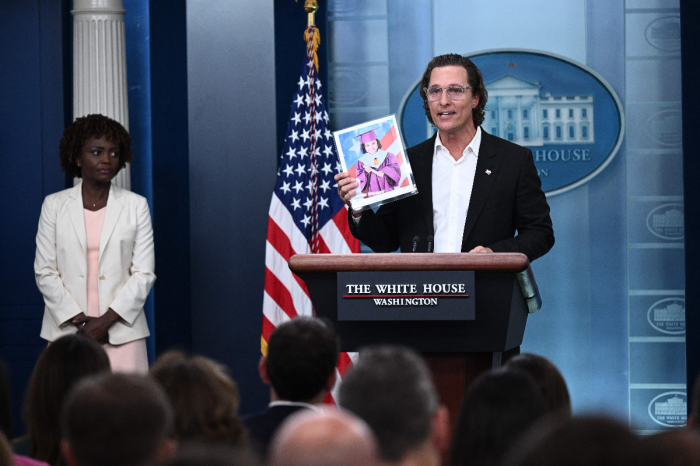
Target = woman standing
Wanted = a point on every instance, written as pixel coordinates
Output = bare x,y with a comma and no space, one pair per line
94,248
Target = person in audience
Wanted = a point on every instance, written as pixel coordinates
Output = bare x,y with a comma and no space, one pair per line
6,455
95,261
221,374
673,448
578,441
6,458
694,414
205,400
547,377
329,438
391,389
117,420
497,407
208,454
59,367
300,370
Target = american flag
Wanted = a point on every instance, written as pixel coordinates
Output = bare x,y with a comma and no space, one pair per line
306,212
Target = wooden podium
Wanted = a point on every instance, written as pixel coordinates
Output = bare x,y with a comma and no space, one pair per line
456,351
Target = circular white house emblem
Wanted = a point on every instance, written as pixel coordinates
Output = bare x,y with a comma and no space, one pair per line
565,112
664,33
668,316
666,221
669,409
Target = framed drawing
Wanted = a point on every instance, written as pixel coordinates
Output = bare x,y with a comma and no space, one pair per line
374,153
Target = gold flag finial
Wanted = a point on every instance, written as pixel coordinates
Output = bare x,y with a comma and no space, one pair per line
311,34
311,6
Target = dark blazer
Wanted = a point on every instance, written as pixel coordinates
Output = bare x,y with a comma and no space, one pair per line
263,426
507,200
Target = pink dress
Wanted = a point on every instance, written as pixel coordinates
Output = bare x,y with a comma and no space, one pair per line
26,461
131,356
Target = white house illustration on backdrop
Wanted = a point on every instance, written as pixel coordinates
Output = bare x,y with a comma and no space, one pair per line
517,112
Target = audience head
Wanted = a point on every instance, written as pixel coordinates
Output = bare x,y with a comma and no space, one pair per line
117,420
204,398
63,363
548,379
301,359
6,457
82,129
391,389
578,441
208,454
497,408
673,448
330,438
223,378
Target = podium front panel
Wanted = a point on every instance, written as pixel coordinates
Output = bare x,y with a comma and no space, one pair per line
405,295
499,324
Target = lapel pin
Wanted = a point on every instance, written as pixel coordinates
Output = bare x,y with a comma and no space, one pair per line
488,172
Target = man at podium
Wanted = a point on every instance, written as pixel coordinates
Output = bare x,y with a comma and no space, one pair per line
475,190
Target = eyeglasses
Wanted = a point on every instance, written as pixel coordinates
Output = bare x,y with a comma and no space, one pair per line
453,92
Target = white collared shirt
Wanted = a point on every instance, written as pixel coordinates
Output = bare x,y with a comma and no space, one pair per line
452,190
301,404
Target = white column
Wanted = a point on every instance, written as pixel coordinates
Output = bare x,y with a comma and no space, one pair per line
99,65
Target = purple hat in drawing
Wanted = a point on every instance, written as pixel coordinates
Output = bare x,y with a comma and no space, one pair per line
367,136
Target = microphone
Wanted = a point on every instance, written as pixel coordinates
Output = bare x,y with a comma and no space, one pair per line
415,243
430,243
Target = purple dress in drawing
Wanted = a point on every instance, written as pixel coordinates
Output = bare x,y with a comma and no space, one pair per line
378,171
372,183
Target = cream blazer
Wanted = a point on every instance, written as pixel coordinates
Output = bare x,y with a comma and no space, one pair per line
125,270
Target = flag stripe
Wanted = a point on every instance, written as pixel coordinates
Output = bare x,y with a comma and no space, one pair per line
292,284
334,238
267,329
322,246
344,363
279,293
280,214
341,223
274,314
280,242
388,139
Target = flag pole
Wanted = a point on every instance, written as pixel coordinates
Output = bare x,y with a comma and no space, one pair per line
304,200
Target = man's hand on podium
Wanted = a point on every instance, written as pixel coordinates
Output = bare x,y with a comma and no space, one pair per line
481,249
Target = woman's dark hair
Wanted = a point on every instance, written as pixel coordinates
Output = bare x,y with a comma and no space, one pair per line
205,454
362,146
581,441
63,363
82,129
476,82
6,458
204,398
547,377
497,408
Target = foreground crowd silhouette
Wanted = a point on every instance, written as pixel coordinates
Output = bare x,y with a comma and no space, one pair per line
185,413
